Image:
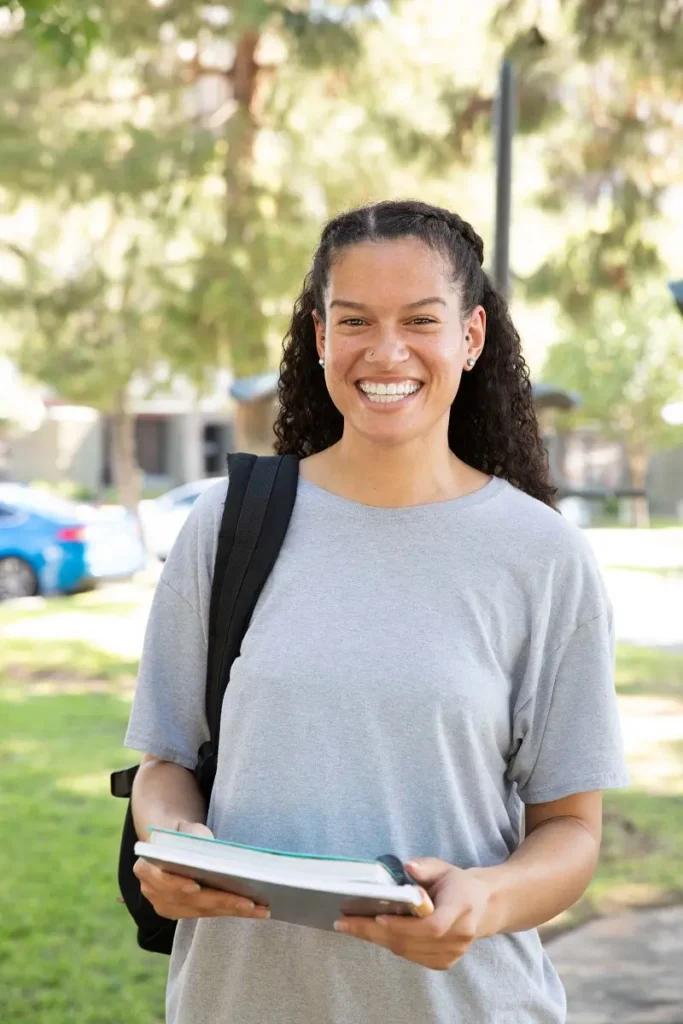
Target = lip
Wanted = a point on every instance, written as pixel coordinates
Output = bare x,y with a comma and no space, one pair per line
389,380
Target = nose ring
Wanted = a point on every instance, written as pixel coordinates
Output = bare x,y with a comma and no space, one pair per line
371,353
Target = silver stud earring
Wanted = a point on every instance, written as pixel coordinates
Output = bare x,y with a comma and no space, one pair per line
471,362
322,362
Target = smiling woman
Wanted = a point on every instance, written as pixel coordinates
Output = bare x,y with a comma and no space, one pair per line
428,670
397,297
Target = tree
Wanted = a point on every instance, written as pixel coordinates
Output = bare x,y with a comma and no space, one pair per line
612,82
627,365
188,161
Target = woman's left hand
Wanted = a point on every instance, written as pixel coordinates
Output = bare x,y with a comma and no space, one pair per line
461,899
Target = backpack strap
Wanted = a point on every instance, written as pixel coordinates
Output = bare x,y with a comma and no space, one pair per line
258,507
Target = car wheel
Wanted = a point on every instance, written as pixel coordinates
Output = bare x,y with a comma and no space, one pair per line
17,579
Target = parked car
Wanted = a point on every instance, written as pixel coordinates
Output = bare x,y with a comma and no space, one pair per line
52,546
162,518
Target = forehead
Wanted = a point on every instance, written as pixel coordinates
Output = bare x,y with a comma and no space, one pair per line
395,272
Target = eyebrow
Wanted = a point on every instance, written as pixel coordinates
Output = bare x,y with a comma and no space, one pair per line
346,304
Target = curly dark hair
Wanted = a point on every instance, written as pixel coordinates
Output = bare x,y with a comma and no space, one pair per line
493,425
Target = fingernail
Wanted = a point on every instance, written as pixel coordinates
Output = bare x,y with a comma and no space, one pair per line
263,913
341,926
247,906
191,887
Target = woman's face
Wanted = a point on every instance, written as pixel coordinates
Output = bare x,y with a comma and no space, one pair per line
393,340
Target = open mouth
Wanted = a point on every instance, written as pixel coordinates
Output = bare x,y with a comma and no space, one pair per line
388,394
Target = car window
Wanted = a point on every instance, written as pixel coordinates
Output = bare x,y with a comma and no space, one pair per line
10,516
32,499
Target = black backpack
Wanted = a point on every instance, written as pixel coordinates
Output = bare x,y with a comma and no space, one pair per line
256,515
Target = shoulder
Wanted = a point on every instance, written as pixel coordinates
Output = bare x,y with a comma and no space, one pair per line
540,528
207,510
554,555
193,553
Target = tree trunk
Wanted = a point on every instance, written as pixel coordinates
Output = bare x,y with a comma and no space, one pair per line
126,471
638,461
251,355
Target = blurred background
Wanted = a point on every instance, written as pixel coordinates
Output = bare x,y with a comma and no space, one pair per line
165,167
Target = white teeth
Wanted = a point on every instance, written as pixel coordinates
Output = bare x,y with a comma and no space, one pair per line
393,391
386,398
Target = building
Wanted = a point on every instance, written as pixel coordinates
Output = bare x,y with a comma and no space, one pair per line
180,436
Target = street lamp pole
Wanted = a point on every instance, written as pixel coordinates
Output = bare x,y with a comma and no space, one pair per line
676,289
504,127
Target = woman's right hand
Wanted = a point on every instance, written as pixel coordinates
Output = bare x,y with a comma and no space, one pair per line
176,897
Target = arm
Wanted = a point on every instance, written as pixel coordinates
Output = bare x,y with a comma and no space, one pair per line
551,868
547,874
167,795
164,795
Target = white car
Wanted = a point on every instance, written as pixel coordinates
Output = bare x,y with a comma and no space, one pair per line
162,518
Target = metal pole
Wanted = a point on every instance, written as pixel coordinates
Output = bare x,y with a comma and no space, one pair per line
676,289
504,131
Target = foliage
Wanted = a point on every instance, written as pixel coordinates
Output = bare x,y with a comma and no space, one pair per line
626,363
66,30
613,148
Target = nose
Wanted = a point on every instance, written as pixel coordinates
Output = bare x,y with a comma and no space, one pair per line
388,348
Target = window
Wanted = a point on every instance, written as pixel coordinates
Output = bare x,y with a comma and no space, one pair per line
151,437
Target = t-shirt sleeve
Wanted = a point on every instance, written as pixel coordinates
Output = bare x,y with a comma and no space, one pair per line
567,735
168,717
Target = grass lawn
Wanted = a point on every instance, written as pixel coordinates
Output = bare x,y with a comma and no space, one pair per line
67,948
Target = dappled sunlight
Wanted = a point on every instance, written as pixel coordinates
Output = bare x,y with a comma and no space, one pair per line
653,727
16,747
122,688
117,635
92,784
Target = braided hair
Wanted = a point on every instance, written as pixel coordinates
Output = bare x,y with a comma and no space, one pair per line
493,425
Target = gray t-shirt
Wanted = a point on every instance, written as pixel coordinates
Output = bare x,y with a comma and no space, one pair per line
409,678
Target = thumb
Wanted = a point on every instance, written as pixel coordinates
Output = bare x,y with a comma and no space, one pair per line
194,828
427,870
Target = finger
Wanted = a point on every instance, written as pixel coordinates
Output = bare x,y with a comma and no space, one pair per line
195,828
366,928
423,929
181,911
427,870
164,881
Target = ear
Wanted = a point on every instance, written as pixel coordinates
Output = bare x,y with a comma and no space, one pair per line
319,325
475,333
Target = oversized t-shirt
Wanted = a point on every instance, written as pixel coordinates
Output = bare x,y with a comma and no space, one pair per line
410,677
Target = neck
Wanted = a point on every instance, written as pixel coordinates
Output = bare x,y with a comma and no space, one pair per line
392,476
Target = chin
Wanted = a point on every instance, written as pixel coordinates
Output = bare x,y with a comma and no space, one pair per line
389,435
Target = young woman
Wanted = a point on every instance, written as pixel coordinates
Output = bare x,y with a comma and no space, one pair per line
430,661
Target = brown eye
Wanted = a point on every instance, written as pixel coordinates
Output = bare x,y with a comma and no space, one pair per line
353,322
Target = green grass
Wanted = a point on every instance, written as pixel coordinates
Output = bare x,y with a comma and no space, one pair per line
67,948
61,661
656,523
641,861
647,671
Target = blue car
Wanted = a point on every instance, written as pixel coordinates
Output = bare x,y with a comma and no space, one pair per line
52,546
